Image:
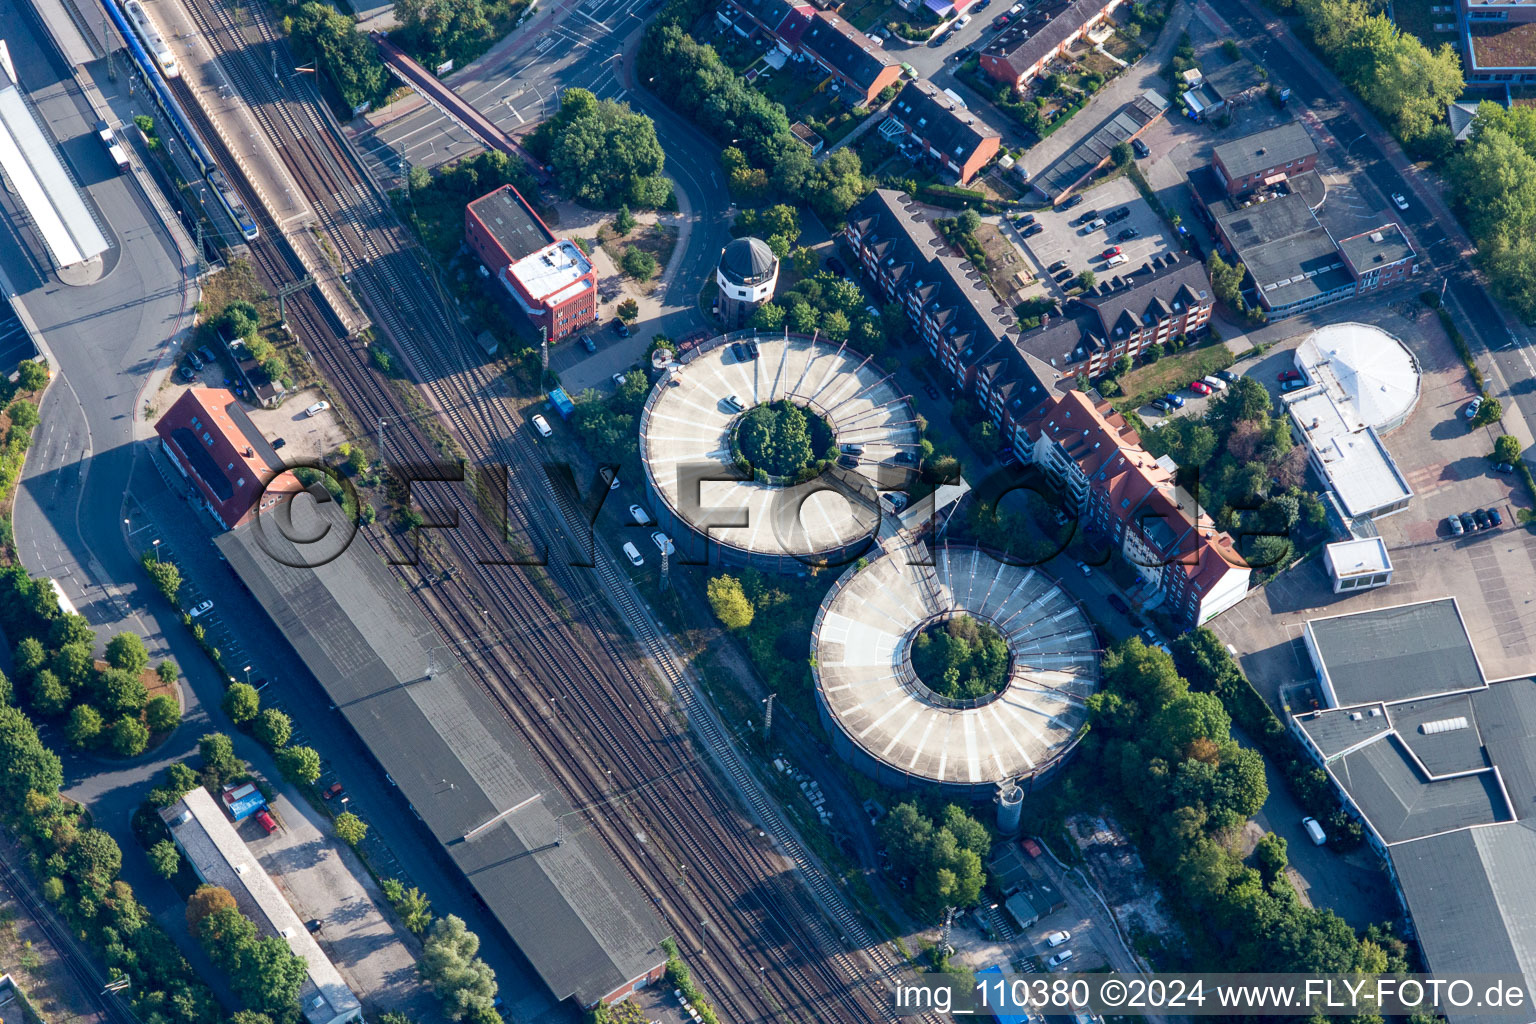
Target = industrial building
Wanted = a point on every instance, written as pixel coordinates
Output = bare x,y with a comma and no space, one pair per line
225,459
888,723
455,757
219,857
713,511
1439,765
747,274
1363,383
548,278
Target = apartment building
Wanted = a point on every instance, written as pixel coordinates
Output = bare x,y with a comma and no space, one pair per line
1499,40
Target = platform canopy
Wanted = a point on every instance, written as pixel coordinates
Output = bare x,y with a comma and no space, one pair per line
31,164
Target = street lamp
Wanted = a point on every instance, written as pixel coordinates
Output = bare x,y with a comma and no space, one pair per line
157,548
247,675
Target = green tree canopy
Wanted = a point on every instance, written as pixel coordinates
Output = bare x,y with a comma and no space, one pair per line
604,153
84,727
465,983
350,829
165,859
241,702
273,728
729,602
301,764
162,713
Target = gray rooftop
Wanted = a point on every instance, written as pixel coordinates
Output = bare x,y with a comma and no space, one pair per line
1442,732
1402,803
1375,249
1506,719
1399,653
1080,160
1273,147
1334,732
454,756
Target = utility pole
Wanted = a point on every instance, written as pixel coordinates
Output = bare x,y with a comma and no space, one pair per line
106,40
290,289
768,720
544,346
945,949
666,565
382,422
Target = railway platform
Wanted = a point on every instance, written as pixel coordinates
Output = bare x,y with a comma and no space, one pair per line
255,157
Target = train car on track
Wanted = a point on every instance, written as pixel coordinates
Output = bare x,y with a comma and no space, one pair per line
177,118
154,42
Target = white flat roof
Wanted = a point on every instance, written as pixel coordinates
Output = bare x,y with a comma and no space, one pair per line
220,857
1359,557
1356,463
550,272
1370,373
30,161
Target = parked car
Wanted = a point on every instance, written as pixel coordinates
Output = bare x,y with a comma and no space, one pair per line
1128,234
1480,517
1467,522
1200,387
187,373
1114,261
1285,375
1228,376
663,543
1399,200
333,790
278,442
1140,149
633,553
1071,202
1116,216
200,610
314,924
639,515
836,266
1057,938
1314,831
896,500
1161,404
1113,250
1025,220
1454,525
1091,226
1000,21
317,408
965,19
1058,265
207,354
1016,8
1118,604
1293,385
733,403
1059,959
608,474
541,425
739,351
588,344
1473,406
1175,400
752,349
266,822
1495,517
620,328
1083,567
1503,467
1032,230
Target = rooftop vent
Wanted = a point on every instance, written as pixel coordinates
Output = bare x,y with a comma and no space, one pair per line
1375,712
1355,716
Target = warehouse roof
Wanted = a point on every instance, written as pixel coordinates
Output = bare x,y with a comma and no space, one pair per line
453,754
1407,651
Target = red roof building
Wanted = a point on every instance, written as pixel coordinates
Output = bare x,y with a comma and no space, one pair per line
548,278
228,462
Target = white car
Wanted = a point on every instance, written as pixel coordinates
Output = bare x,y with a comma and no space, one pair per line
639,515
1083,566
734,402
317,408
663,543
611,476
542,426
200,610
964,21
633,554
1399,200
618,380
1059,959
1057,938
1473,406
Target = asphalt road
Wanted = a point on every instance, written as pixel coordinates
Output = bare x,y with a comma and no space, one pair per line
1361,142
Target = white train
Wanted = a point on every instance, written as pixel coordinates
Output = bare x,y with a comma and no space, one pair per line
150,36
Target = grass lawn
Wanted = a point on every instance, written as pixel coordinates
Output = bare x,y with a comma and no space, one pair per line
657,239
1170,373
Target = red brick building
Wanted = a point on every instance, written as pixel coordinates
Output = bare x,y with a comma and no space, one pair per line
1378,258
1021,51
1264,158
850,57
228,462
548,278
950,134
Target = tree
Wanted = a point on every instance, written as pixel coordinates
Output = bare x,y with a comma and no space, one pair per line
804,261
1229,49
165,859
239,320
624,221
31,375
729,602
241,702
604,153
93,861
49,694
23,414
835,326
465,984
300,764
162,714
638,263
629,311
129,737
437,30
121,693
84,727
269,975
1226,281
219,761
71,630
968,222
1086,280
166,670
165,576
1491,411
1120,154
350,829
415,909
273,728
126,651
1270,856
30,767
767,317
1506,449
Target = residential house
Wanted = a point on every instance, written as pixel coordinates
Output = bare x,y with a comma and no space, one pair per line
949,133
1020,52
854,60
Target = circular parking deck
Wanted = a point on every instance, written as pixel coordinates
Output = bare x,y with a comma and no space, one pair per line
712,514
891,726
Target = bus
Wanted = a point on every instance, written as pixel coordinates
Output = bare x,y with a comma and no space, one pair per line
114,148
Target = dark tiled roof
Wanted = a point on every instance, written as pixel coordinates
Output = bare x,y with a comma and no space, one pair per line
932,116
1046,27
845,48
1273,147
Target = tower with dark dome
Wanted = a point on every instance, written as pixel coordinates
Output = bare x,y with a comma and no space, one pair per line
747,274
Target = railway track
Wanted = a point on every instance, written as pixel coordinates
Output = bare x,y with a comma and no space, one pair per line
801,966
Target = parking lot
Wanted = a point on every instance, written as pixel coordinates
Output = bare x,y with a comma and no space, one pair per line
1491,573
1062,236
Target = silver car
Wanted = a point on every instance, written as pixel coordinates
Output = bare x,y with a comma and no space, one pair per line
1455,525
